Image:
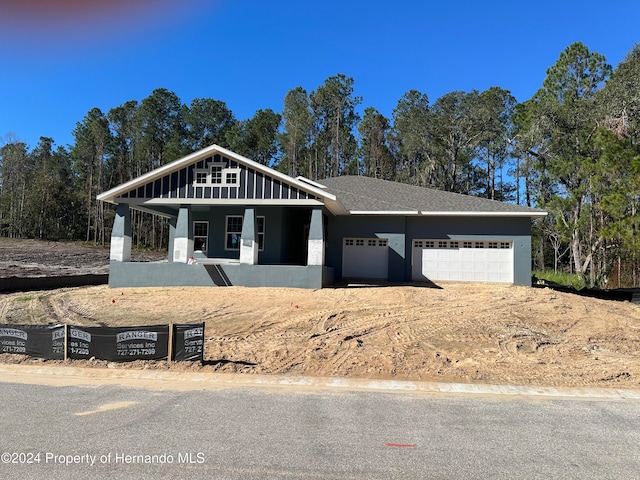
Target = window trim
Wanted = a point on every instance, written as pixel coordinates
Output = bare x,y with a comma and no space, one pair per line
260,235
205,237
201,171
219,168
227,232
219,178
230,171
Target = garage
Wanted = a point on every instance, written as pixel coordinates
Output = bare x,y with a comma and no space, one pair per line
365,258
462,260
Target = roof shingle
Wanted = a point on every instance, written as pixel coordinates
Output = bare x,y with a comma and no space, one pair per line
367,194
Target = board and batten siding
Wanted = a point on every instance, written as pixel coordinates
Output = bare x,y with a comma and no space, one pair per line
252,185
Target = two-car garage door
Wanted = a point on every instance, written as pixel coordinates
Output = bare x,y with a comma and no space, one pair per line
462,261
435,260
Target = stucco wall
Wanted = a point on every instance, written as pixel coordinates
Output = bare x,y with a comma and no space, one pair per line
392,228
401,231
148,274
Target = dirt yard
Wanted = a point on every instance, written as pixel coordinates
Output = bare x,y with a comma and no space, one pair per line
456,333
34,258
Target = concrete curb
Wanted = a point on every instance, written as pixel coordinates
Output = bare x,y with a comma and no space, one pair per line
181,381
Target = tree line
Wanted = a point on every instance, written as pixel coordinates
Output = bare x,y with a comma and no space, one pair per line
572,149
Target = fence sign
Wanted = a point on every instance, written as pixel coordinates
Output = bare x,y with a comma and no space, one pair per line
115,344
188,342
119,344
41,341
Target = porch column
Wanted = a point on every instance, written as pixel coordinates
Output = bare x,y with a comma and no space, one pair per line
315,244
172,235
120,250
183,238
249,238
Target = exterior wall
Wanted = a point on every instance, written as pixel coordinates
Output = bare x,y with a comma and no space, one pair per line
392,228
401,231
149,274
217,223
286,235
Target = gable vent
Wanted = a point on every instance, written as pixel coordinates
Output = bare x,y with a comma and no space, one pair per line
300,178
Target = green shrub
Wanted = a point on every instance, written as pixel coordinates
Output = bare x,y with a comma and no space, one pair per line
565,279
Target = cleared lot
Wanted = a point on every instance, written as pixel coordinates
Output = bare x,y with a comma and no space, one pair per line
459,333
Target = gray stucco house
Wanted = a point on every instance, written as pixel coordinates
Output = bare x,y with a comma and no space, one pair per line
237,222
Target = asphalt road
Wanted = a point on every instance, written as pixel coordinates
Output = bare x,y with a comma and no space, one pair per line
254,433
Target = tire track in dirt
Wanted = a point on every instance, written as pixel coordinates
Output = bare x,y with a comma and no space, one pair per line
62,310
51,309
515,339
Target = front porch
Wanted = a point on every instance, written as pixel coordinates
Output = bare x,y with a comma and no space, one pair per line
270,246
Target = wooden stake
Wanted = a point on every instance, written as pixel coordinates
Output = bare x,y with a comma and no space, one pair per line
170,349
66,331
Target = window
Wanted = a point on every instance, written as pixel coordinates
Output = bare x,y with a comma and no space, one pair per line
231,177
457,244
260,222
369,242
201,177
200,236
216,174
233,232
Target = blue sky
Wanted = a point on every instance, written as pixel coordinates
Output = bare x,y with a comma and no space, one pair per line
57,64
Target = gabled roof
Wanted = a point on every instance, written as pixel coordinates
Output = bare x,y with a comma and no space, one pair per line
156,191
372,196
148,198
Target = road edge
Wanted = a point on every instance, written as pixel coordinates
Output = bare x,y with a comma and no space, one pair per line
182,381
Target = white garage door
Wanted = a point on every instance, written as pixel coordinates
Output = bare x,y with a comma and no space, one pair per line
463,261
365,258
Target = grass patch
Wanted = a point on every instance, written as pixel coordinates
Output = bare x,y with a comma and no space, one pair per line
25,299
565,279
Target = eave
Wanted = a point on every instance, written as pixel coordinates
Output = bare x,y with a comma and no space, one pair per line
427,213
114,195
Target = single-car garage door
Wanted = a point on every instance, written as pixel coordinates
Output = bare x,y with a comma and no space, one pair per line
463,261
365,258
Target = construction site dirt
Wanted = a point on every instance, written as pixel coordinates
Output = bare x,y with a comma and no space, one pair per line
451,332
